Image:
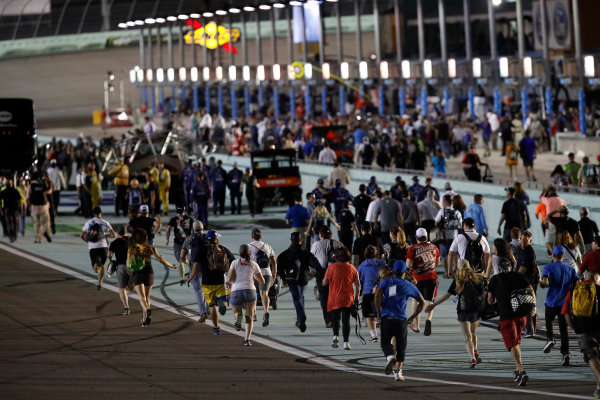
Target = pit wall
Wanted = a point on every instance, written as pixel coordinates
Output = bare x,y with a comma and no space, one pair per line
494,195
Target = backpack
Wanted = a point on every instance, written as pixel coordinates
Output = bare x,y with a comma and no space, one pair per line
451,221
137,264
217,259
512,154
93,233
471,297
584,302
135,197
185,229
522,302
474,253
330,254
37,196
262,259
292,268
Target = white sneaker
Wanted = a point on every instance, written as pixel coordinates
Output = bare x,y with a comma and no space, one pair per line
398,376
390,365
335,342
347,346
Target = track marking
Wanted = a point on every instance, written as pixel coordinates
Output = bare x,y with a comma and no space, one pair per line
279,346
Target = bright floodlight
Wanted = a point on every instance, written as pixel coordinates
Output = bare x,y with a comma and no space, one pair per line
363,70
278,5
264,7
503,63
260,73
345,70
234,10
160,20
332,1
276,72
452,68
132,76
219,73
160,75
527,67
149,75
428,69
150,21
195,15
194,74
291,70
122,25
172,18
249,8
182,17
295,3
139,22
171,75
477,68
206,74
232,73
384,70
140,75
246,72
208,14
589,66
221,12
182,74
130,23
326,70
405,69
496,2
307,70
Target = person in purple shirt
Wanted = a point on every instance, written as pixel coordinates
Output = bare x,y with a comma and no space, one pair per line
527,148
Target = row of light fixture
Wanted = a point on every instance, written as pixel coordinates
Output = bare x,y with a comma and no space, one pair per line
211,14
161,75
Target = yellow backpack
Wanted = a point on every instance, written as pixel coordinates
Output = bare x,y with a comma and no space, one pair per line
584,302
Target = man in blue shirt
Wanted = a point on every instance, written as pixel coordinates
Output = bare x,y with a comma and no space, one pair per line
527,147
559,278
390,303
234,181
359,134
342,196
218,181
298,216
417,189
476,212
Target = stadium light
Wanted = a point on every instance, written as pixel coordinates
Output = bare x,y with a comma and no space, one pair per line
363,70
219,73
194,74
208,14
149,75
182,74
171,74
345,70
527,67
206,74
451,68
405,69
160,75
234,10
140,75
384,70
307,70
246,72
276,72
589,66
476,67
249,8
503,63
427,69
132,75
326,71
260,73
232,73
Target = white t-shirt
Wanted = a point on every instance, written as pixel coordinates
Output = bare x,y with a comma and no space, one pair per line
255,246
459,244
105,229
244,274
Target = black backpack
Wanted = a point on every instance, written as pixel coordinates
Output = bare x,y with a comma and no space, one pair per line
292,267
262,259
471,298
474,253
37,196
93,233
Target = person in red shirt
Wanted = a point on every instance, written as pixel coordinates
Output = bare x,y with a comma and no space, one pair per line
341,278
423,258
591,261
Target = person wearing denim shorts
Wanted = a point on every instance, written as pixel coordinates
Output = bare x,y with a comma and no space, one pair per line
241,276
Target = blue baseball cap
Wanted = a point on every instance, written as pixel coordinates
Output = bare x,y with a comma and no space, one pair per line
212,234
399,267
558,251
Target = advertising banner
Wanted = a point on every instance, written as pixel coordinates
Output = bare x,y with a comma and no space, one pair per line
558,25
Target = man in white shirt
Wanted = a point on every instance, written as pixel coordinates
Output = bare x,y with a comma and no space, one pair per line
449,220
376,197
58,181
95,233
149,127
327,156
459,246
263,254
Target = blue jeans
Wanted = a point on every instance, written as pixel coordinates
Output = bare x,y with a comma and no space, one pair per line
297,292
202,306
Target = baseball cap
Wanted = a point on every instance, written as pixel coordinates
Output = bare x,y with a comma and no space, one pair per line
53,162
415,178
398,179
558,251
247,169
180,210
373,179
295,237
212,234
448,186
421,232
510,190
144,208
256,232
399,267
320,180
597,240
197,226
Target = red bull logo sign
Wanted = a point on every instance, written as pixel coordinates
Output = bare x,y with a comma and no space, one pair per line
212,36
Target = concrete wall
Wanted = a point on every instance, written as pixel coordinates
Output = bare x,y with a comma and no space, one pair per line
494,195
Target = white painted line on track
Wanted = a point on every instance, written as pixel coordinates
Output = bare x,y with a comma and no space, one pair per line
282,347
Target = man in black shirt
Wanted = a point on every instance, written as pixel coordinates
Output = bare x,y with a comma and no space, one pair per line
588,229
361,243
443,136
181,225
527,265
361,204
118,248
565,223
143,221
234,181
10,198
500,288
513,212
347,224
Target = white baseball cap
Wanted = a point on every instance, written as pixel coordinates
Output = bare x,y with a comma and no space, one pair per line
421,232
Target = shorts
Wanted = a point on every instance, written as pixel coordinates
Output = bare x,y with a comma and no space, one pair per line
98,256
589,345
265,286
527,162
239,297
550,233
123,276
145,277
445,247
468,316
428,288
368,306
511,331
212,292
